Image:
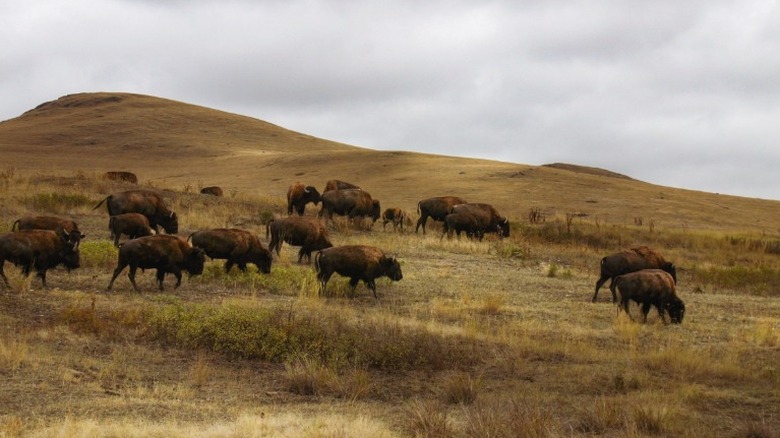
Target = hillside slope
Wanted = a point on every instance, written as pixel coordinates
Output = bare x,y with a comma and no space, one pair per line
172,144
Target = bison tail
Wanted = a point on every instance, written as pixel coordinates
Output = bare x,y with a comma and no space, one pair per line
268,228
317,267
15,226
101,202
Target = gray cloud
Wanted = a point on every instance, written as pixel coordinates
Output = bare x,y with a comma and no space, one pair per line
679,94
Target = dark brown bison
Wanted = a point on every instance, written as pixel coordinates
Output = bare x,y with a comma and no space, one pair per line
484,218
133,225
149,203
650,287
167,254
397,216
211,190
436,208
53,223
308,233
121,176
352,203
629,261
298,195
39,249
237,246
335,184
459,223
358,262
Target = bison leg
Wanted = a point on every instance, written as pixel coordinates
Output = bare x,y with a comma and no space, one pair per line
353,281
646,310
304,252
423,219
177,274
600,283
323,277
131,276
372,285
42,274
2,273
624,306
160,278
229,265
119,268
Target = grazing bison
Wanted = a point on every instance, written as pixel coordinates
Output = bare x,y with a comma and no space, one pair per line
461,222
358,262
211,190
629,261
298,195
121,176
149,203
395,215
335,184
238,246
436,208
167,254
308,233
476,220
133,225
39,249
650,287
52,223
351,203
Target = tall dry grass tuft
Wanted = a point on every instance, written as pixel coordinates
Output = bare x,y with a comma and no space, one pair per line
604,415
428,419
13,353
460,388
11,426
201,371
508,419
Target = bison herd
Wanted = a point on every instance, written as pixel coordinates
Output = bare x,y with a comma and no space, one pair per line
43,242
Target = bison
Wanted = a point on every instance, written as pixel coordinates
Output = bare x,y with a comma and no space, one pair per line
436,208
211,190
53,223
149,203
39,249
335,184
358,262
395,215
121,176
484,219
351,203
308,233
650,287
167,254
630,261
298,195
238,246
133,225
461,222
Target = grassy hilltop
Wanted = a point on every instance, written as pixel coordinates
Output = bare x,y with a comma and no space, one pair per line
480,339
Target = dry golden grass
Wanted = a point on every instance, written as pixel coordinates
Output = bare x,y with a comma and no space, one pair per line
493,338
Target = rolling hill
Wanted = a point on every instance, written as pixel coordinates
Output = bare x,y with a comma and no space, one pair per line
172,143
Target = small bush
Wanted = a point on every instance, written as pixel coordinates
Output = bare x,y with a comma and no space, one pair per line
98,253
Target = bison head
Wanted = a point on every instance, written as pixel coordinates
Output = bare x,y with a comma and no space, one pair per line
195,259
676,310
376,210
70,251
391,267
669,267
262,258
310,194
503,227
170,223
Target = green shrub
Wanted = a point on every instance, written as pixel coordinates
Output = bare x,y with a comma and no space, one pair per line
98,253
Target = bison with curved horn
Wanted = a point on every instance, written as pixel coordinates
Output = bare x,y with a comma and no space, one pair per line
298,195
39,249
149,203
631,260
53,223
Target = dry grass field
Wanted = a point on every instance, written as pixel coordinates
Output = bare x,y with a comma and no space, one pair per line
479,339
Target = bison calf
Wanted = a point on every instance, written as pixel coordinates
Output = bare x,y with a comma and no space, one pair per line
308,233
650,287
358,262
167,254
211,190
39,249
133,225
239,247
395,215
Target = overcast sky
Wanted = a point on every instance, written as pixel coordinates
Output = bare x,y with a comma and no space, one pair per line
677,93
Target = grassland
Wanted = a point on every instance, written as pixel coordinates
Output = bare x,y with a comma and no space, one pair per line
480,339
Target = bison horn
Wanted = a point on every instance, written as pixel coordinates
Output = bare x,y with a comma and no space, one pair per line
306,190
171,215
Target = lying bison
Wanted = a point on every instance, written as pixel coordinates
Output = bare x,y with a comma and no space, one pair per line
211,190
436,208
353,203
308,233
630,261
121,176
53,223
133,225
39,249
298,195
167,254
149,203
335,184
650,287
396,216
476,220
358,262
238,246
